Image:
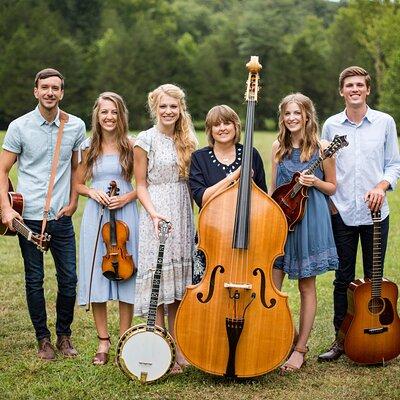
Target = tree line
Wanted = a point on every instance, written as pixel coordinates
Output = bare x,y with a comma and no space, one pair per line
132,46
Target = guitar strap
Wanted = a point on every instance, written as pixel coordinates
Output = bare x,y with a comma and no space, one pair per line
63,120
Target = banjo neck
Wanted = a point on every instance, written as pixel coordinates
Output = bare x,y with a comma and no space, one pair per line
151,318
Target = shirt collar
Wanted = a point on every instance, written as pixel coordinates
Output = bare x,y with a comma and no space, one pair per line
369,116
41,121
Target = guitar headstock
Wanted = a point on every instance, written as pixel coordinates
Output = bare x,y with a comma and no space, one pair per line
164,228
337,143
252,89
43,245
113,189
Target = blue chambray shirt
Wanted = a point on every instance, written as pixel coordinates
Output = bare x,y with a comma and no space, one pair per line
33,139
371,156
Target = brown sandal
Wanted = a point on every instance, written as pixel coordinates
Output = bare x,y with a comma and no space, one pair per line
288,368
101,358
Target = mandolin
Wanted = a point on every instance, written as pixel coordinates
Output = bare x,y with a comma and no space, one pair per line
292,196
372,326
17,203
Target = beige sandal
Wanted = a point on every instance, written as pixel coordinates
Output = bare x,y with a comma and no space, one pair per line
101,358
288,368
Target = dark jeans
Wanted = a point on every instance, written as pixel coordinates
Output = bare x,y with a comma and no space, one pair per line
63,250
346,240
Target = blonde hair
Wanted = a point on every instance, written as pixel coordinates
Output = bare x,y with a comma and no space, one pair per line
123,143
310,141
184,137
225,114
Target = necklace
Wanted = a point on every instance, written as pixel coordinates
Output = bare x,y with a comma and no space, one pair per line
226,158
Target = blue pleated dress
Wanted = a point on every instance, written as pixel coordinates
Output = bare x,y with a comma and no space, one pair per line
310,249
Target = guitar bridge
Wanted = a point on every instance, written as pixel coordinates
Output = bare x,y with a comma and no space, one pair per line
375,331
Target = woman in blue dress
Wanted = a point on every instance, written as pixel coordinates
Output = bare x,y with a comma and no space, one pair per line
310,249
106,156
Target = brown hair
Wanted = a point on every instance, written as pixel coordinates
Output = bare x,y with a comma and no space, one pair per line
354,71
225,114
47,73
309,130
123,143
184,137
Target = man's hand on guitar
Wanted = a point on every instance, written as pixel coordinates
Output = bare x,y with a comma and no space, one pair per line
307,180
375,198
7,216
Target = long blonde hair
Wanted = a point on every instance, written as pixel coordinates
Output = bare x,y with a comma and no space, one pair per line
310,140
184,137
123,143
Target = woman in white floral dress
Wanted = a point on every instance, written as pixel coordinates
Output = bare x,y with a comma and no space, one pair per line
162,157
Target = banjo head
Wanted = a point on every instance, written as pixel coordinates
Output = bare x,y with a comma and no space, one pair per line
145,355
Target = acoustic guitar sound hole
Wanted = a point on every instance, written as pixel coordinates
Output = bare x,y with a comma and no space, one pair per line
376,305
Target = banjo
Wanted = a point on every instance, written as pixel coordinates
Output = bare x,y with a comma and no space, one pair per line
146,351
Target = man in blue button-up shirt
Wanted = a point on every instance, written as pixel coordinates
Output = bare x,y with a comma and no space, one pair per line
366,169
31,141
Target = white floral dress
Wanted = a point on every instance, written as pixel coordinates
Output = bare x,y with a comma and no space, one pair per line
170,197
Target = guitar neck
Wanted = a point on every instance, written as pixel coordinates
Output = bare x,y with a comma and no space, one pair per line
22,229
151,318
376,279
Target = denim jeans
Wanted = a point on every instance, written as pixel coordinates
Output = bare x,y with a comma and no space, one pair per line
63,250
346,240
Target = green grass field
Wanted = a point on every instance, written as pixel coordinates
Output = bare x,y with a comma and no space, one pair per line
23,376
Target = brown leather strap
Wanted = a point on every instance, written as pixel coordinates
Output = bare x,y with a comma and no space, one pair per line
63,120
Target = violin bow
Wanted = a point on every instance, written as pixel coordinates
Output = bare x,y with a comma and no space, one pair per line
94,258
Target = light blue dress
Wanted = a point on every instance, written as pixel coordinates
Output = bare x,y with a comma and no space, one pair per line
107,168
310,249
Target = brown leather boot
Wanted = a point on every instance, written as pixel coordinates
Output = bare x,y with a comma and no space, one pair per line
335,351
46,350
65,347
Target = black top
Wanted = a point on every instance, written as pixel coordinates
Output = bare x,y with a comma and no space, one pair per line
206,170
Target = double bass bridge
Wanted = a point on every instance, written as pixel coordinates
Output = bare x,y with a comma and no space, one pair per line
245,286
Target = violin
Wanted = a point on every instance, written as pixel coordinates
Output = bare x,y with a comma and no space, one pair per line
235,322
117,263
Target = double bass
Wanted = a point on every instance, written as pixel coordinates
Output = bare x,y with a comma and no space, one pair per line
235,322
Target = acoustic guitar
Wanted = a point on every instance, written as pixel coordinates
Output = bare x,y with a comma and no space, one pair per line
146,351
371,328
292,197
17,203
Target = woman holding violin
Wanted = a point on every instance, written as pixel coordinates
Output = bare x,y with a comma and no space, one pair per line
107,156
214,167
162,157
310,249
